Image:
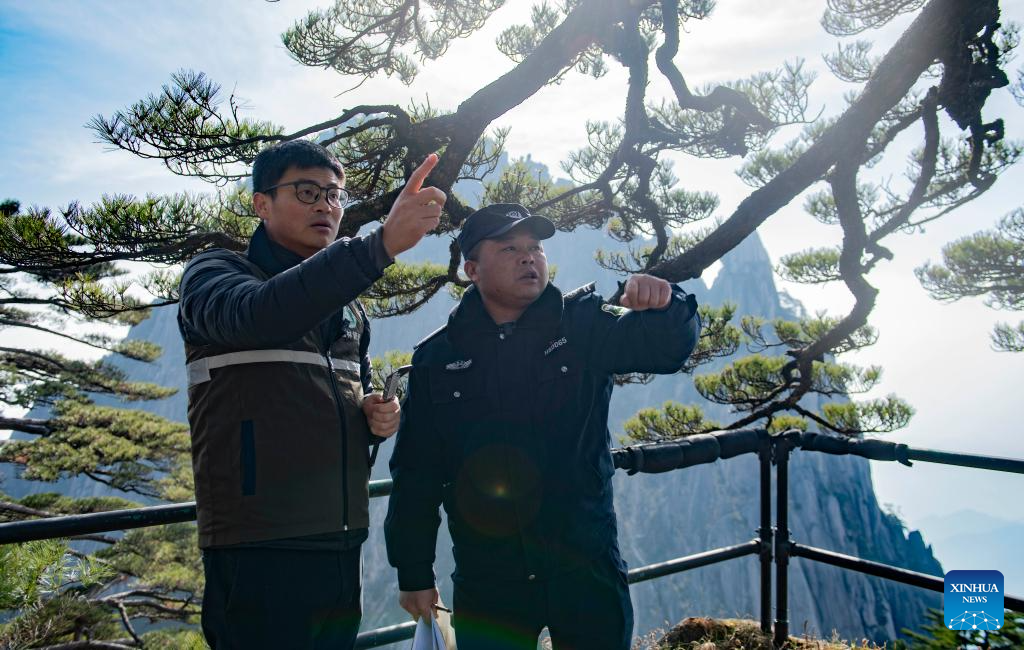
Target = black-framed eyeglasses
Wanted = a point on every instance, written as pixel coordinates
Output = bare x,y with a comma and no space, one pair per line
309,192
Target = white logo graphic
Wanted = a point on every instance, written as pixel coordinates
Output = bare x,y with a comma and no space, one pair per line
514,215
973,621
459,365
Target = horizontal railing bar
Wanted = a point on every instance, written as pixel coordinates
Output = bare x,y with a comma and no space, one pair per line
381,488
886,571
698,449
885,450
96,522
995,463
678,565
905,576
114,520
385,635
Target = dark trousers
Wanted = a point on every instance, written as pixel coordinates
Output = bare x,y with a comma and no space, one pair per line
274,598
586,609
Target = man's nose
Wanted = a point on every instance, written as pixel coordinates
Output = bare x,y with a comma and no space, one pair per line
321,204
527,258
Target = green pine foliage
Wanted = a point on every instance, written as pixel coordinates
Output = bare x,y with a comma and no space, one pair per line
989,264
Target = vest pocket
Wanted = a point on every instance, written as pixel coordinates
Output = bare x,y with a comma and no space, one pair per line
248,458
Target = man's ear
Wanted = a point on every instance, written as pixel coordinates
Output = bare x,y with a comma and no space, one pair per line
470,267
261,204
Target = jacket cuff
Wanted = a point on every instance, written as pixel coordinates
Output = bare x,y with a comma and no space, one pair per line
416,577
678,294
378,255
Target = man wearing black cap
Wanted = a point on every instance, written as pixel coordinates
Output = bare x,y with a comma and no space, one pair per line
506,424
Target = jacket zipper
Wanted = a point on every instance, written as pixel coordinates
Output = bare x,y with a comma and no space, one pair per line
344,438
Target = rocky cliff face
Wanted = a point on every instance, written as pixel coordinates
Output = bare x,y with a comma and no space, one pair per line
833,504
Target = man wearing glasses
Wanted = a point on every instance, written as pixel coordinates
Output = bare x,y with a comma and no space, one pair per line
280,405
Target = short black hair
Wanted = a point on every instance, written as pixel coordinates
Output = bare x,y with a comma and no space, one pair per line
271,163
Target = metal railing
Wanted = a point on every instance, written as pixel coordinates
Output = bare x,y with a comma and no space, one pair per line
772,544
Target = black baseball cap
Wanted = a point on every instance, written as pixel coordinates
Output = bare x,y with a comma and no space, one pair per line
497,219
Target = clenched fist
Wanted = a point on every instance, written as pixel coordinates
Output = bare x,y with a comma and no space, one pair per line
416,211
382,415
646,292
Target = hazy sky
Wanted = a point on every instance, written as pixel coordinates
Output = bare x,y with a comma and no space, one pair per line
63,62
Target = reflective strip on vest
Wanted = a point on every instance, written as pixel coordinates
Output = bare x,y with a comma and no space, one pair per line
199,370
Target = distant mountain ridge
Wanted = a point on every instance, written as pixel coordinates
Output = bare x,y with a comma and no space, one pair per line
833,504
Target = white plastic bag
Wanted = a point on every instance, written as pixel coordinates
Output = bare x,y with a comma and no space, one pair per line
435,634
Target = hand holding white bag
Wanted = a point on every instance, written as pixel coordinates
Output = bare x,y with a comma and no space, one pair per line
435,634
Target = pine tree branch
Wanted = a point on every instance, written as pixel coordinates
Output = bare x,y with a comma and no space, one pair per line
822,422
589,22
109,479
939,24
720,97
47,330
855,240
150,600
928,163
126,621
34,426
586,24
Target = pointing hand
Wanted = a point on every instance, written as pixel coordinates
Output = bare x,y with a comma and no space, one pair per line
416,211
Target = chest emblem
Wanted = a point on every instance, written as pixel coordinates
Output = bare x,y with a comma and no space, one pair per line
459,365
555,345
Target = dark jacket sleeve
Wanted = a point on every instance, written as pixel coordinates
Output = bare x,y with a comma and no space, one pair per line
410,528
223,303
656,341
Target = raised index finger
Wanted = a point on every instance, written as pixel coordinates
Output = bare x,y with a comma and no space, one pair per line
420,174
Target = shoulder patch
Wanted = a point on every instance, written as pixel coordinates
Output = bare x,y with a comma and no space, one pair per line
614,310
429,337
580,292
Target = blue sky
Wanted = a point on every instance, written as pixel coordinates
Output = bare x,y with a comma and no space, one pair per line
62,62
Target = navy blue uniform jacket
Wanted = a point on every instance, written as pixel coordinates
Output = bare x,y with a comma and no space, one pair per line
507,427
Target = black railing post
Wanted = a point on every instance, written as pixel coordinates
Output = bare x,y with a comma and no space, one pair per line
764,533
781,448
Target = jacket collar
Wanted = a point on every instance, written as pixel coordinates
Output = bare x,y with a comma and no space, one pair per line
470,318
269,255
